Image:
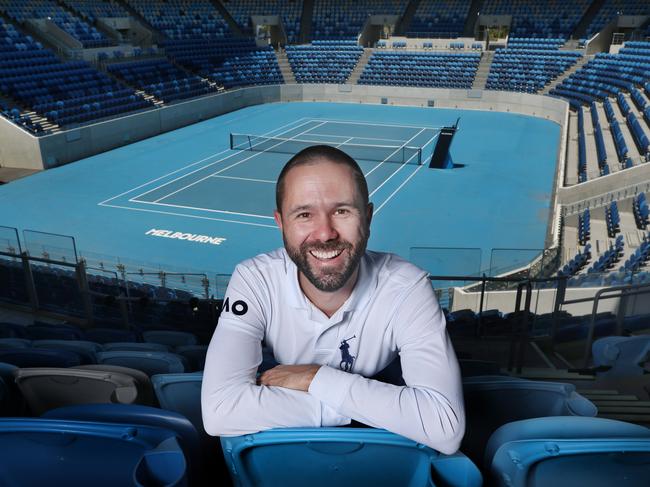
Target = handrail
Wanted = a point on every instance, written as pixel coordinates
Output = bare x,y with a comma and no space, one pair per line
619,291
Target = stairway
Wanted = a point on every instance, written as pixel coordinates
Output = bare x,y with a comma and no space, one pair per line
305,21
404,22
234,26
158,35
32,115
285,67
480,79
472,17
358,69
581,29
557,81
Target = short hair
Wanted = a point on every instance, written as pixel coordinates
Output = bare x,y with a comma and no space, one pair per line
311,155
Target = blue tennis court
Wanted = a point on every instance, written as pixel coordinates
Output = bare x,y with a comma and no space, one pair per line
189,200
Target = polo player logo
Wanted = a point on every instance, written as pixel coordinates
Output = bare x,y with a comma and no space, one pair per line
346,359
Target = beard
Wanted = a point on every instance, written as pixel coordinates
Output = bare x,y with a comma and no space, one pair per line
328,279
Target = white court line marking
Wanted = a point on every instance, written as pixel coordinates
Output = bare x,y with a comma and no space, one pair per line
361,122
386,158
194,163
398,188
390,196
228,167
227,212
192,216
360,137
135,198
244,179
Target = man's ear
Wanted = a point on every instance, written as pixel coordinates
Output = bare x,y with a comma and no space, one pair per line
369,211
278,218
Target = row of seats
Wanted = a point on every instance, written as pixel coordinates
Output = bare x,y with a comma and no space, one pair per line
527,70
444,18
229,62
584,227
333,19
577,262
421,69
535,43
76,27
608,258
600,141
582,146
611,9
617,134
290,13
612,219
539,18
638,258
97,9
641,211
183,19
161,78
322,63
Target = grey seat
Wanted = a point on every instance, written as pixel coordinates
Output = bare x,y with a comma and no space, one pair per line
46,388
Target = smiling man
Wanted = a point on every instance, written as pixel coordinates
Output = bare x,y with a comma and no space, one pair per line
333,314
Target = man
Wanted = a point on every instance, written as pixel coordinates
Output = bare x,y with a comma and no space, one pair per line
333,314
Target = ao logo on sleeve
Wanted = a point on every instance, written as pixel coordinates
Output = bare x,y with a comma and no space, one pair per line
238,307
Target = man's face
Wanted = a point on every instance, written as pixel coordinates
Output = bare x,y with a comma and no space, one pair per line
325,224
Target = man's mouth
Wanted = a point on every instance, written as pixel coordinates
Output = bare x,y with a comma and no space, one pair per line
326,254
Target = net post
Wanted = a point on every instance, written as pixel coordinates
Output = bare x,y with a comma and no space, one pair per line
231,142
250,144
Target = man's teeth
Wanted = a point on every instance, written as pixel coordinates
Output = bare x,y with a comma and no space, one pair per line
319,254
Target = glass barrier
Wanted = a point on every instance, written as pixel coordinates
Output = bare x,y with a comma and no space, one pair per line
9,241
57,288
50,246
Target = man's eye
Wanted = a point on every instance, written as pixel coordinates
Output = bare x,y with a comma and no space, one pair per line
302,215
342,211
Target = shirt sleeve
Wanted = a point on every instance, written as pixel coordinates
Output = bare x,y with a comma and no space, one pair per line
231,402
429,408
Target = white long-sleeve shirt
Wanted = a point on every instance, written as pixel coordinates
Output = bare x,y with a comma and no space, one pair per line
392,310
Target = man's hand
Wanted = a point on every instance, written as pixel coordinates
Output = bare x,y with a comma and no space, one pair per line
296,377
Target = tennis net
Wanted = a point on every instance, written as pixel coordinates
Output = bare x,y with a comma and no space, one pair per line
381,153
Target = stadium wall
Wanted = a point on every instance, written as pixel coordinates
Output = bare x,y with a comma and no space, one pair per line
77,143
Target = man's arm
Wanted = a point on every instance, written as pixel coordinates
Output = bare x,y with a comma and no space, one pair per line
429,409
231,401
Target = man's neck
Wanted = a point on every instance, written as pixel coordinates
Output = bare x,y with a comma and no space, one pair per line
328,302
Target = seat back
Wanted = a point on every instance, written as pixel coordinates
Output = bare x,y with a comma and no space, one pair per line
78,454
46,388
54,332
322,457
12,330
181,393
145,395
86,350
34,357
170,338
135,346
13,343
625,356
567,451
194,354
150,363
107,335
493,403
140,415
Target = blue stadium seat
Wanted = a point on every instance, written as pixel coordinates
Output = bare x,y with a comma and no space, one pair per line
34,357
493,402
195,356
13,343
322,457
132,414
569,451
12,330
135,346
108,335
181,393
79,454
616,356
150,363
169,337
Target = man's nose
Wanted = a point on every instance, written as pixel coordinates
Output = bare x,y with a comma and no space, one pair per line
325,229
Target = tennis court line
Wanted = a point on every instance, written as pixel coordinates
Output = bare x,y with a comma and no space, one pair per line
386,158
194,163
359,137
361,122
227,212
243,179
191,216
135,198
390,196
256,154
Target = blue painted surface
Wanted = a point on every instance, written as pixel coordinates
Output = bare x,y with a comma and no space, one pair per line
175,181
